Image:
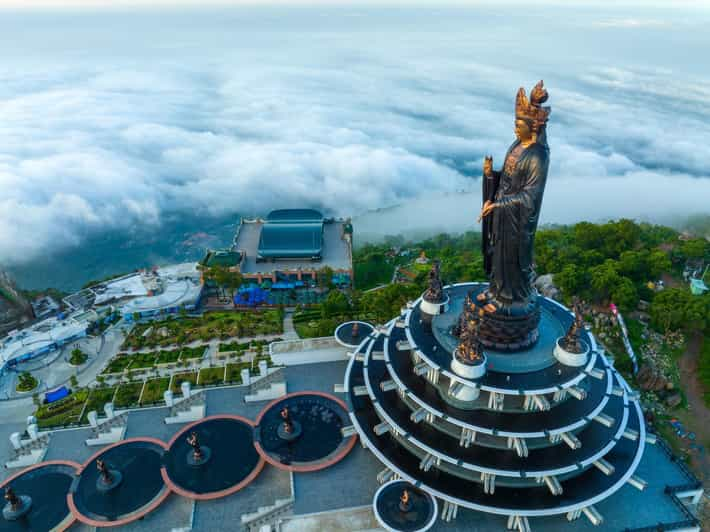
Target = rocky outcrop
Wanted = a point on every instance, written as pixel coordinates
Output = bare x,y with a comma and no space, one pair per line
650,379
15,310
546,287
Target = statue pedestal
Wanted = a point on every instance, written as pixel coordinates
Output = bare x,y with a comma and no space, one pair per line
571,359
296,431
510,330
24,506
434,308
205,454
469,371
116,479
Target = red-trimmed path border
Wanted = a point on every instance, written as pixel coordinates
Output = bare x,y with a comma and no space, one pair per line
70,519
338,455
157,501
214,494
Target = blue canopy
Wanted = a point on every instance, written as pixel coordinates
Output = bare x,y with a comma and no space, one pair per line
56,395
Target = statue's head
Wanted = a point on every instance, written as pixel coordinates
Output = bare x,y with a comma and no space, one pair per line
530,116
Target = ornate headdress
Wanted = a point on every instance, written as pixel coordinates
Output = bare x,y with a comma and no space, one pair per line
532,109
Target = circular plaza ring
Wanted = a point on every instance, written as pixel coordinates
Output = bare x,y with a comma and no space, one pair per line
233,461
320,444
141,490
43,489
399,506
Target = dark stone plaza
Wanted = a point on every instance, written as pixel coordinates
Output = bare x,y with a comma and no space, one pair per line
325,499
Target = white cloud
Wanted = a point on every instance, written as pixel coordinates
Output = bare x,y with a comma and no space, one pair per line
103,131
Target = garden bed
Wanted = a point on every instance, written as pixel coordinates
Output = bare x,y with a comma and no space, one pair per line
153,391
179,378
128,395
98,397
118,363
211,376
26,382
234,375
192,353
168,357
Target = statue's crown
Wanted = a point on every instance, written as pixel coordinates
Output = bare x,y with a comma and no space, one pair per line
531,109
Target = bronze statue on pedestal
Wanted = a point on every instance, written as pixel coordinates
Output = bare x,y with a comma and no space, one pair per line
512,198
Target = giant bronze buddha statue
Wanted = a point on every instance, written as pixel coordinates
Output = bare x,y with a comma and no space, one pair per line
511,207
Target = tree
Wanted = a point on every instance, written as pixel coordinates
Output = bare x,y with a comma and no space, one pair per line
696,248
677,308
325,277
604,278
632,264
570,280
624,294
77,357
219,275
73,381
658,263
234,281
335,304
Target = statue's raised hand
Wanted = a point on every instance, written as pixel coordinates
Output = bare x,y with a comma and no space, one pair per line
488,166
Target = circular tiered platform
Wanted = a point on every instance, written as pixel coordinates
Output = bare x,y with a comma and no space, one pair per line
418,514
320,443
233,462
139,461
47,485
529,436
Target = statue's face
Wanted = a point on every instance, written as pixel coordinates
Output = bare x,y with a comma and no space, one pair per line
522,130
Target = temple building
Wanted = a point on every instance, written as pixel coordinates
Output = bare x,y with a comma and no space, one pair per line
289,246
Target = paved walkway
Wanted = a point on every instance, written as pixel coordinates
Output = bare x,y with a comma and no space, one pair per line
289,330
699,419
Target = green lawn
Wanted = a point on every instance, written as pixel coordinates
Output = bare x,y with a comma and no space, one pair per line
128,395
192,353
179,378
153,392
142,360
118,363
61,413
209,376
167,357
234,346
234,372
98,397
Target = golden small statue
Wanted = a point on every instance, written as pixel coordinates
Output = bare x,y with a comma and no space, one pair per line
405,501
12,499
104,471
194,442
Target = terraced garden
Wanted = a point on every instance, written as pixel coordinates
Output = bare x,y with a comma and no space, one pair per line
211,325
142,361
64,412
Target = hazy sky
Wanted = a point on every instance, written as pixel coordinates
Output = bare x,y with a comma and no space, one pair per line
600,4
110,120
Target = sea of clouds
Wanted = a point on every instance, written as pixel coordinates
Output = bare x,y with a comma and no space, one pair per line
110,120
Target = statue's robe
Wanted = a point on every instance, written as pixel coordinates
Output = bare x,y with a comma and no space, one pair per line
509,231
